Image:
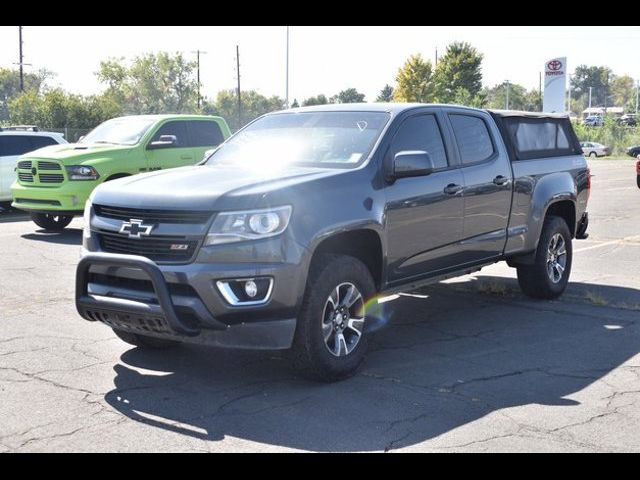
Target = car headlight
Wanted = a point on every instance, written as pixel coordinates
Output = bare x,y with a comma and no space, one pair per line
82,172
86,231
229,227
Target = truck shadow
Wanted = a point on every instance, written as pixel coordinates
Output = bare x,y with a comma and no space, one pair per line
451,355
69,236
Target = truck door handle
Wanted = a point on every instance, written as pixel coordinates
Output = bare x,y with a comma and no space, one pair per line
501,180
452,189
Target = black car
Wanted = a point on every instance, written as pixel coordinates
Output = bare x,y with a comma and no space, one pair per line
628,120
633,151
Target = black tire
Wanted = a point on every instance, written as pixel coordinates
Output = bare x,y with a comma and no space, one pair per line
51,222
141,341
638,180
536,280
593,155
310,351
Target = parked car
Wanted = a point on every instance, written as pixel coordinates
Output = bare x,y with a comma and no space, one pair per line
54,184
593,121
633,151
628,119
593,149
16,141
287,234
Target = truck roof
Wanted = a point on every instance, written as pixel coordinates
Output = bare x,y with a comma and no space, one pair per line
397,108
163,116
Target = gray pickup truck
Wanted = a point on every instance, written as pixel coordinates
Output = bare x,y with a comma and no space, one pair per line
285,236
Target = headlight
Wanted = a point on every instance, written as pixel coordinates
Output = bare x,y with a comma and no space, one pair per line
81,172
86,231
231,227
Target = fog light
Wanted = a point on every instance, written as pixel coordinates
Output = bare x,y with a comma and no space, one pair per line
251,289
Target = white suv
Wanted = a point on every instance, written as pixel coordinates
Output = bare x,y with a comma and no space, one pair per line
14,142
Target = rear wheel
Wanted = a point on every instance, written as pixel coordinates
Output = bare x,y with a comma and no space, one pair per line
638,180
547,278
51,222
144,342
331,340
593,154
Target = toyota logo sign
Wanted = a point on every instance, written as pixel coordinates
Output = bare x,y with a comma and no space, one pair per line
554,65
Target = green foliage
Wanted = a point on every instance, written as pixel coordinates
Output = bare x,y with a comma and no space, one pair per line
414,81
460,69
152,83
295,103
10,87
386,94
519,98
253,106
598,78
57,109
623,91
462,96
317,100
350,95
611,134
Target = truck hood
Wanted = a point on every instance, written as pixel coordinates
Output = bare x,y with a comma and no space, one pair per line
76,153
204,187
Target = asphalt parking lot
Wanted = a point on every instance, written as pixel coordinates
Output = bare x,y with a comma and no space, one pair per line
470,365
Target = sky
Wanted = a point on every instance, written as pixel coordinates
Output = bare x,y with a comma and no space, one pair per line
322,59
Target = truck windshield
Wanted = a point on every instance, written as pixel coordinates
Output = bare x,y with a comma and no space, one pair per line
119,131
318,139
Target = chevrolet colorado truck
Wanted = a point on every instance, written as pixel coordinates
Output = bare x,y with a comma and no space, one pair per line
285,236
54,183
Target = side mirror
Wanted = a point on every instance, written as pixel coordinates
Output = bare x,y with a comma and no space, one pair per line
80,138
165,141
412,163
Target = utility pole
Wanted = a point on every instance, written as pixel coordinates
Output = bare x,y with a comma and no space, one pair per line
198,53
20,59
287,73
506,107
540,89
637,91
436,65
239,98
590,88
569,101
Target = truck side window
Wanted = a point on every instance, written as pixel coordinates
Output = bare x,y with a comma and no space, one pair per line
205,133
40,142
179,129
473,138
421,133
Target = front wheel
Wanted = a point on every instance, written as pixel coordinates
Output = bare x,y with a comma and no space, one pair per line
51,222
547,278
593,154
331,340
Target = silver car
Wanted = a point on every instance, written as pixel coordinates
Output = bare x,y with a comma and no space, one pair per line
592,149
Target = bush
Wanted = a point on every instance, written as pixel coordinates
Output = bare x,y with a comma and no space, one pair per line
611,134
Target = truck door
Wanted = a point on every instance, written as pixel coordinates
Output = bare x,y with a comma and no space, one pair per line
178,155
487,184
423,214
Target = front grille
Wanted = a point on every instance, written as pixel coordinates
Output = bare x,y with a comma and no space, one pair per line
156,249
25,164
153,216
48,166
51,178
25,177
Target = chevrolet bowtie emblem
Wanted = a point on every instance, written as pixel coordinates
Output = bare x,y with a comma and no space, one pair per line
135,228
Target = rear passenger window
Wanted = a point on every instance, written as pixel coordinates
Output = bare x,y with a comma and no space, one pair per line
473,138
179,129
205,133
14,145
40,142
421,133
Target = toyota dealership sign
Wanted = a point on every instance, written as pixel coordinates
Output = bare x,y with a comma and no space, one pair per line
555,85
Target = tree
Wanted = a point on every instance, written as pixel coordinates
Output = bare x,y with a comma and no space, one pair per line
317,100
253,106
10,87
497,96
414,81
350,95
463,97
598,78
623,89
459,68
295,103
386,94
152,83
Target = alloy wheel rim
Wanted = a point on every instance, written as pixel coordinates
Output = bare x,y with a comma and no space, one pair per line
556,258
343,320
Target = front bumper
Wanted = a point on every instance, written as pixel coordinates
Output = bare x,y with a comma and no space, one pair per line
183,305
68,197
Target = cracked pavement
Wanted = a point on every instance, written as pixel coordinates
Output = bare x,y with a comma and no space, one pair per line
466,365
